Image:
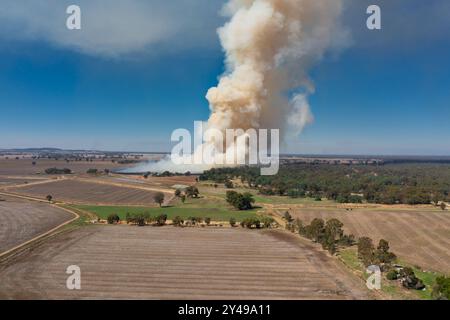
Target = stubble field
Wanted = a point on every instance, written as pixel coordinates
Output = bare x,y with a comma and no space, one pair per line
171,263
22,220
418,236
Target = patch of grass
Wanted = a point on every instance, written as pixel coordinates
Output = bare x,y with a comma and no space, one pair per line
216,214
350,258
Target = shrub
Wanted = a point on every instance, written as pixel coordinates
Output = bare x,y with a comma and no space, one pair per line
392,275
208,221
178,221
287,216
161,219
113,219
232,222
251,223
229,184
441,289
267,222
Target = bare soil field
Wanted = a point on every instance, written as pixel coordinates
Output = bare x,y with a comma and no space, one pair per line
22,220
420,237
169,263
166,182
26,167
83,192
11,180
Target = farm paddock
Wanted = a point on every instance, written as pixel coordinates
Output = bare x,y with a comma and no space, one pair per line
120,262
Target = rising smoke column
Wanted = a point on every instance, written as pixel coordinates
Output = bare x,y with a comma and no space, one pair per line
269,47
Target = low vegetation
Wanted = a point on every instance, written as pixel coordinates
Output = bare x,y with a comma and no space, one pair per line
215,214
58,171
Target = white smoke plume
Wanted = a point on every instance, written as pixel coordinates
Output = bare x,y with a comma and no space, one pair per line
270,45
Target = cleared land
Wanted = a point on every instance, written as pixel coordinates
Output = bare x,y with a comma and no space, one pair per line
171,263
22,220
418,236
82,192
26,167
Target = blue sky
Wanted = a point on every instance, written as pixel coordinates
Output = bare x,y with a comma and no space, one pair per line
387,93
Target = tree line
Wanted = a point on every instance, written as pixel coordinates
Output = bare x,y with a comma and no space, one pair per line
387,184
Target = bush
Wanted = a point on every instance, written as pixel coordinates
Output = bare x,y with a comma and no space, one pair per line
392,275
92,171
113,219
441,289
229,184
267,222
161,219
58,171
178,221
287,216
251,223
232,222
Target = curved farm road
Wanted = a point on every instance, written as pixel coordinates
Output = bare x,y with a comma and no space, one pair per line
125,262
24,220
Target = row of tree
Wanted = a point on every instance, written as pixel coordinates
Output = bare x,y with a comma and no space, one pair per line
329,234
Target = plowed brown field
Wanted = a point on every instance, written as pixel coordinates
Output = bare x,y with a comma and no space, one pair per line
168,263
419,236
22,220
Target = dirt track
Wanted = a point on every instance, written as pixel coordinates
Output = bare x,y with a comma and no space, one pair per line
421,237
168,263
22,220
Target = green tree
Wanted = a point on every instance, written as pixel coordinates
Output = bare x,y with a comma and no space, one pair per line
382,254
177,193
443,206
232,222
192,192
159,198
366,250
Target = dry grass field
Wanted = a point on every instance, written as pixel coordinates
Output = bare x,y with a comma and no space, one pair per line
22,220
418,236
171,263
22,167
83,192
